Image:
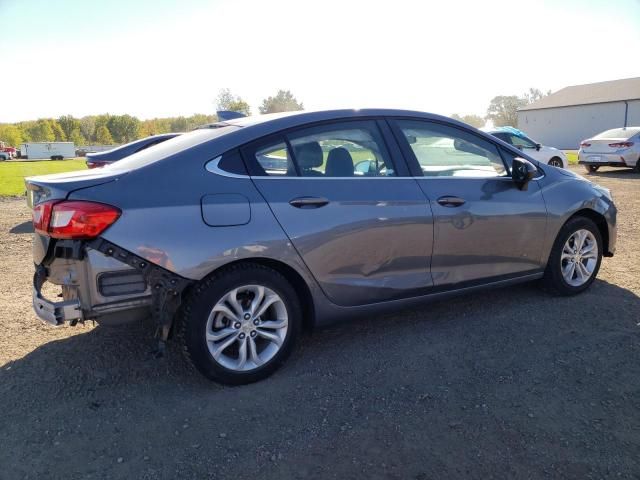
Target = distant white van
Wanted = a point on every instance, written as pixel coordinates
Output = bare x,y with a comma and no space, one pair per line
50,150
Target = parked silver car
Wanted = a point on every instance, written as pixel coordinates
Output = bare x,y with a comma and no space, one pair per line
618,147
237,237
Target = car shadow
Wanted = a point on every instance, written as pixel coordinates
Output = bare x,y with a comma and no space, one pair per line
515,346
621,173
21,228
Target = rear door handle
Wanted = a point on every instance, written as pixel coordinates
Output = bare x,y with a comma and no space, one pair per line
449,201
309,202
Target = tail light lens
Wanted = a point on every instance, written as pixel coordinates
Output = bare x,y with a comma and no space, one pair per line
73,219
584,144
621,144
91,164
41,216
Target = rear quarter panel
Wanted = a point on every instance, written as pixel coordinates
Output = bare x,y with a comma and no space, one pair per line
162,218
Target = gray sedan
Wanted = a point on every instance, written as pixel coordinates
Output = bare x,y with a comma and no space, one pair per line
237,237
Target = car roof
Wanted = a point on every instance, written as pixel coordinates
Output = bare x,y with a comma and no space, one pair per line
284,120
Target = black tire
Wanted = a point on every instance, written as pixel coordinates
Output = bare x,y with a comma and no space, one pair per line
591,168
556,162
200,301
637,167
553,280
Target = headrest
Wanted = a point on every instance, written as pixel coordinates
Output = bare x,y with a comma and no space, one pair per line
339,163
308,155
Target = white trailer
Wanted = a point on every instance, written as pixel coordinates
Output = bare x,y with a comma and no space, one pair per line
49,150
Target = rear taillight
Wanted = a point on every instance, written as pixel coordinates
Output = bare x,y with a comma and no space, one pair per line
41,216
621,145
91,164
73,219
584,144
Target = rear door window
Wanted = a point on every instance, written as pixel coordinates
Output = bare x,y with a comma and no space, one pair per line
275,160
343,150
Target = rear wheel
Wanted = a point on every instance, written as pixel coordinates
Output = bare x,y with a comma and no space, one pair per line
556,162
240,325
637,168
575,258
591,168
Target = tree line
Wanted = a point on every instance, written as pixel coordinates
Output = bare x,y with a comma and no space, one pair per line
107,129
503,109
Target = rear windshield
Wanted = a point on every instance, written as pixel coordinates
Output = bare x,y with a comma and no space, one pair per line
618,133
169,147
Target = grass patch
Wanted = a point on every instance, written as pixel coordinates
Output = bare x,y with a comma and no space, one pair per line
572,157
12,173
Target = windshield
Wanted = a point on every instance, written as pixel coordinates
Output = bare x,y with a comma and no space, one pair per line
618,133
168,148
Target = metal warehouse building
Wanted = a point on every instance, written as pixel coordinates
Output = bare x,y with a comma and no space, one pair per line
572,114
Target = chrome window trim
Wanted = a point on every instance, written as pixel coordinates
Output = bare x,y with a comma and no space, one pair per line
286,177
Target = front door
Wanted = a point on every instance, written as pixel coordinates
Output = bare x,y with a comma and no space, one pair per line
485,227
364,231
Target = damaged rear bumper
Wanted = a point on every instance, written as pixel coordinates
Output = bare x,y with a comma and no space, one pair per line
101,281
55,313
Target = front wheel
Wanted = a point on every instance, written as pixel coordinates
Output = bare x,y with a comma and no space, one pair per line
575,258
556,162
239,326
591,168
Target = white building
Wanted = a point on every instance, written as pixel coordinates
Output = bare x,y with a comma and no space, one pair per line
570,115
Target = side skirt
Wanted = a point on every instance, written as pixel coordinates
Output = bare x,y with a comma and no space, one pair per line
329,314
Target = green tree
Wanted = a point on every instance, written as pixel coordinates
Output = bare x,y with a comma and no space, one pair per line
534,94
88,128
284,101
473,120
103,137
68,124
76,137
234,103
11,135
503,110
58,133
123,128
198,119
179,124
41,131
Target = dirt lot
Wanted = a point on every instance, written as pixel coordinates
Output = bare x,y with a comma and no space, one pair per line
506,384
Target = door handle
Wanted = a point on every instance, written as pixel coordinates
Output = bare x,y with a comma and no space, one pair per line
449,201
308,202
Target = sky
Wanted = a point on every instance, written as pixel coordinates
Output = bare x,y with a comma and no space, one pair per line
161,58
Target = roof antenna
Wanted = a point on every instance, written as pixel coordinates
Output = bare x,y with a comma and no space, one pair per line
229,115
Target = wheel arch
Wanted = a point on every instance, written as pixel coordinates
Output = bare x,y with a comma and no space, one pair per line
559,158
295,279
600,222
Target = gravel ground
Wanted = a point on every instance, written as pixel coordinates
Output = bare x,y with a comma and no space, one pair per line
509,383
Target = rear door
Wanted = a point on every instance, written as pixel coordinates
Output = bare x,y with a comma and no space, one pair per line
345,199
485,227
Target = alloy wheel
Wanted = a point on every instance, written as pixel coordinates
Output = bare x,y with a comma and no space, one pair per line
579,257
246,327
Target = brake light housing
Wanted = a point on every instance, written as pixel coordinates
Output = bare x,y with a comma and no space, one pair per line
74,219
95,164
621,144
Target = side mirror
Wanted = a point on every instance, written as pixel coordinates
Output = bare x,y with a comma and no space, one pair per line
522,172
538,146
